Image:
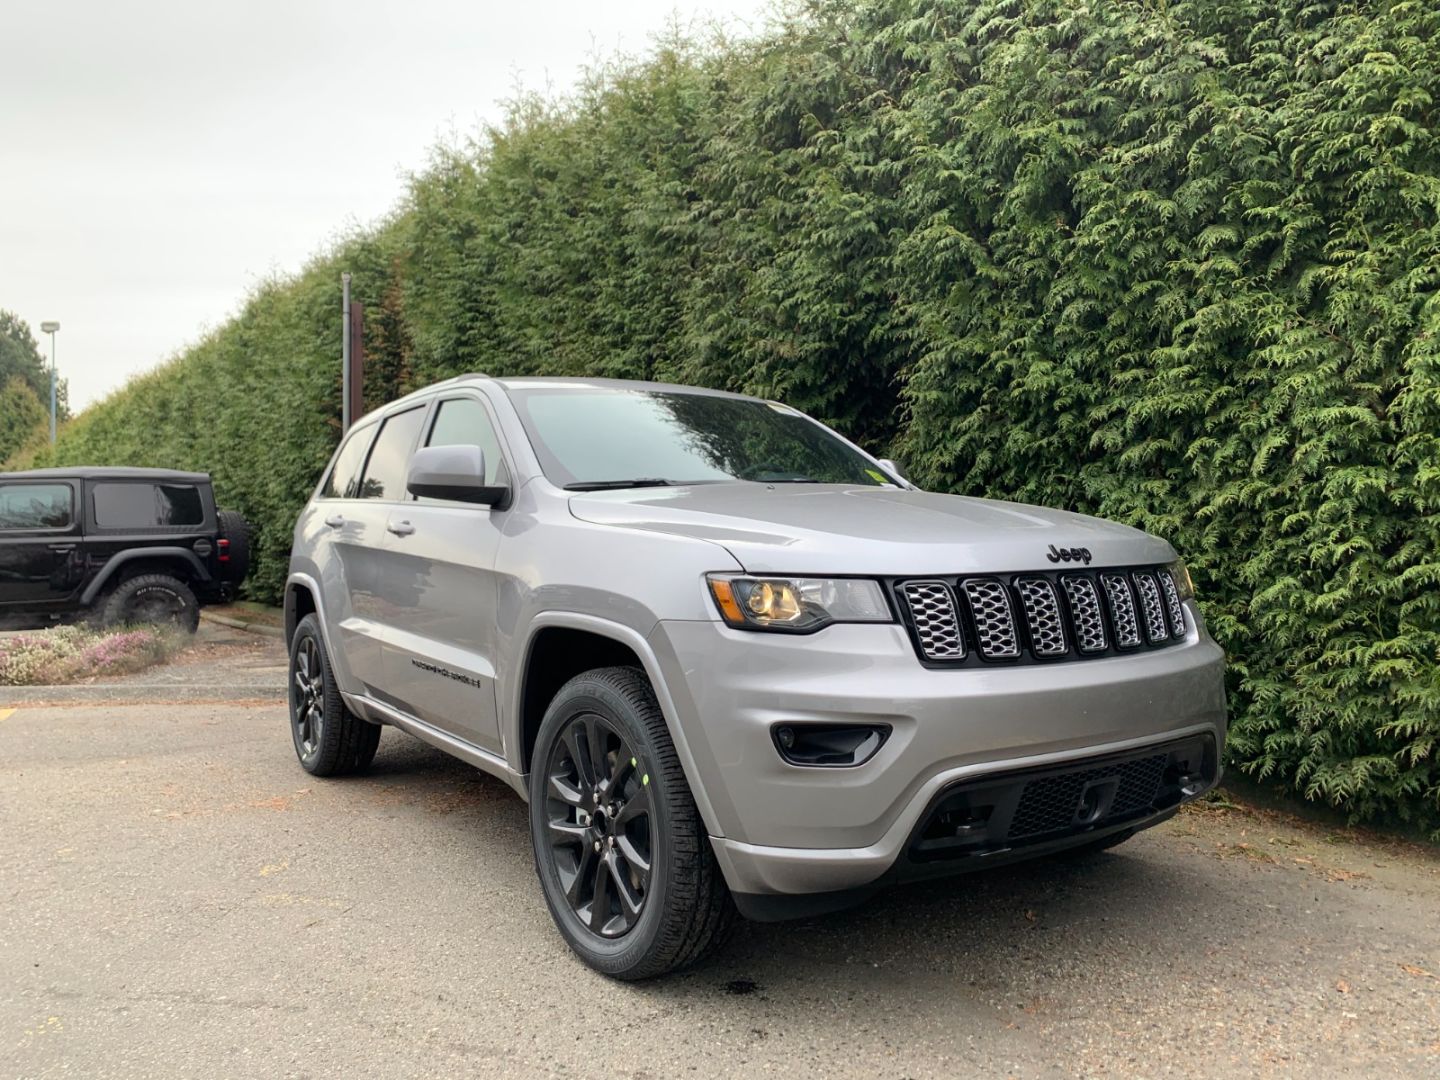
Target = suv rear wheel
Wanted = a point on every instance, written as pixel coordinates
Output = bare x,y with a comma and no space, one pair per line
330,740
152,598
622,855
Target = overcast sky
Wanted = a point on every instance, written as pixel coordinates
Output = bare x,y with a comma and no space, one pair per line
162,156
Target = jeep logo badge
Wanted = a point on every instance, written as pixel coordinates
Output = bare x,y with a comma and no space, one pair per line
1069,555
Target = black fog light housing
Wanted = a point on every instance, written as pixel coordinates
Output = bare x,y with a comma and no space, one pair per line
833,746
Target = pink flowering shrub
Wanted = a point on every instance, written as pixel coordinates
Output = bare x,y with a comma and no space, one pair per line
71,653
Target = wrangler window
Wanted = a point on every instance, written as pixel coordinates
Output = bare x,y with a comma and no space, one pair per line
35,506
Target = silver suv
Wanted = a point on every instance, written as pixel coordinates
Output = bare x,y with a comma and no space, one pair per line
731,660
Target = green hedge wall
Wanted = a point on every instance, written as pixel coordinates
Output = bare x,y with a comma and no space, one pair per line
1176,264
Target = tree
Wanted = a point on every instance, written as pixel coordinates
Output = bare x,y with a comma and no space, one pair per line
20,358
22,417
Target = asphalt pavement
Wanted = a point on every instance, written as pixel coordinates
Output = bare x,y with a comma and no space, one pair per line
178,899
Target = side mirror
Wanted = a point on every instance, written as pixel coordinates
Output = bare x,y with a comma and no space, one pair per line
890,467
456,473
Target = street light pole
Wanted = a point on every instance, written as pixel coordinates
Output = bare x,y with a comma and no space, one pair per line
345,416
50,328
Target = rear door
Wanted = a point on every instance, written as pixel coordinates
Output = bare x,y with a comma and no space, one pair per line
338,528
440,563
39,543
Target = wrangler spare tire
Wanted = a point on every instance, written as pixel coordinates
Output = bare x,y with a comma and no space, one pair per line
235,532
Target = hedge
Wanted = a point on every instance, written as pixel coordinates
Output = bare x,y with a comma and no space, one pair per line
1175,264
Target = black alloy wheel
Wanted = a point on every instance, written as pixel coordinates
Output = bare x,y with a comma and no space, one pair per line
600,824
624,861
307,699
329,739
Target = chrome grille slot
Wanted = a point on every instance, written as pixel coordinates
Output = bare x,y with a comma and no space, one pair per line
1042,616
1172,603
994,619
1155,628
1122,609
1085,614
937,628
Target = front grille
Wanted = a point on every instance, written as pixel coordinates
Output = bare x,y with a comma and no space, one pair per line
1050,804
1042,613
1122,609
993,618
1172,603
932,609
1041,616
1155,628
1085,610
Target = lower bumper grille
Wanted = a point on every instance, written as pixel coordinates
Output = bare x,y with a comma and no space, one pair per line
1050,804
1033,806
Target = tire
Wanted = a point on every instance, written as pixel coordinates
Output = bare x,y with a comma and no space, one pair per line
235,529
151,599
333,741
684,910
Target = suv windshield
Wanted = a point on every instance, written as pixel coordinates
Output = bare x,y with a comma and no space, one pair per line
595,437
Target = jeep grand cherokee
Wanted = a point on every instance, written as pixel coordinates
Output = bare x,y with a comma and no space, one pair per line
731,660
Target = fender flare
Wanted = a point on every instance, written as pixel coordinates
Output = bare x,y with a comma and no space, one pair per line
637,644
313,588
120,559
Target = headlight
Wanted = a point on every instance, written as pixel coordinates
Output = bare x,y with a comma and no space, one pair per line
797,604
1180,574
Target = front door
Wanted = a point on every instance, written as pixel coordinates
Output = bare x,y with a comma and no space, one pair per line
440,578
354,524
40,563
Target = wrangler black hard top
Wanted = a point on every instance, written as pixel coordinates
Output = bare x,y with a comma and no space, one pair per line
108,472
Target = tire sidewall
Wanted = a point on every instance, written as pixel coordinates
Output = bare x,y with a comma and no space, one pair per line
309,629
131,592
585,694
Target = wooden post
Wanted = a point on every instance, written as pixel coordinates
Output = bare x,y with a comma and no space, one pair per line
356,375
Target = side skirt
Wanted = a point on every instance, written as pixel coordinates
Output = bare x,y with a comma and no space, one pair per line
378,712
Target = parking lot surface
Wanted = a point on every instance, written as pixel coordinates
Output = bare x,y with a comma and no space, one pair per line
179,899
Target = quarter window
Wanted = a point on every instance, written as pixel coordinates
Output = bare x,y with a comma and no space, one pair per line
385,471
147,506
35,506
344,479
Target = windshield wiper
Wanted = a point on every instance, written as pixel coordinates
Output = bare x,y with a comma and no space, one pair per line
615,485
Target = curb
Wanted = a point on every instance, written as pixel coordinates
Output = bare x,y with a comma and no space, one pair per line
135,693
240,624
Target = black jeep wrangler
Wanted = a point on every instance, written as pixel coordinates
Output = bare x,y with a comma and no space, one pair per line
115,546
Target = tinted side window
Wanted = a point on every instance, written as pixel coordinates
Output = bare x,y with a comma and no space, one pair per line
34,506
464,422
147,506
344,479
385,471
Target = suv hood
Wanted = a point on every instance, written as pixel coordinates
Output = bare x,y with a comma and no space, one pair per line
837,529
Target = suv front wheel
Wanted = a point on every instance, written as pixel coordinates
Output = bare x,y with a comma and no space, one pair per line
623,858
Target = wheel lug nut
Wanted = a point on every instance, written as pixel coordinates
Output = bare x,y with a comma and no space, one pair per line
597,845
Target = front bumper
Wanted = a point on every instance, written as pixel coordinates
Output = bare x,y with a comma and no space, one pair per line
785,829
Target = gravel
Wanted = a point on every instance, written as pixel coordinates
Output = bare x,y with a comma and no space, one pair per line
181,900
